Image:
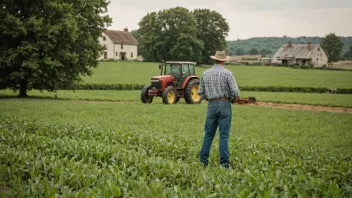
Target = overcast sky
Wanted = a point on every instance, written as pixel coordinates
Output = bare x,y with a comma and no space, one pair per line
251,18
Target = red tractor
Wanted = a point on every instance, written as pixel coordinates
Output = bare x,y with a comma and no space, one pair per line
177,80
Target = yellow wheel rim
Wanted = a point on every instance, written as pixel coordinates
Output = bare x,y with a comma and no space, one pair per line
171,97
194,93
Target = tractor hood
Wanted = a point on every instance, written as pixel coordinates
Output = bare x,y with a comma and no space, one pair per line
163,77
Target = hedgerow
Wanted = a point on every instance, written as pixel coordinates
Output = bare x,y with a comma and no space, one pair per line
91,86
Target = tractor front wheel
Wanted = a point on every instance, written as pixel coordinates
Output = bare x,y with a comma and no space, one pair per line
145,98
191,92
169,95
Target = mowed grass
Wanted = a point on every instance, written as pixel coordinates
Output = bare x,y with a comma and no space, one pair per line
334,100
330,131
141,72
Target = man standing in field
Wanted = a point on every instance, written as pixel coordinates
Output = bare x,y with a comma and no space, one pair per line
218,86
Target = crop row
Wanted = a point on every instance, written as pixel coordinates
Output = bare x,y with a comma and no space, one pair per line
41,159
242,88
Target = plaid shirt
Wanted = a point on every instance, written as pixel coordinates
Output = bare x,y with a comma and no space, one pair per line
218,82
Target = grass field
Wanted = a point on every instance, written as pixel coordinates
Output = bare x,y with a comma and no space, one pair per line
140,73
83,149
108,144
335,100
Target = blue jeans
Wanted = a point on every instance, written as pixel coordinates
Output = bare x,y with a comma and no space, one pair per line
219,113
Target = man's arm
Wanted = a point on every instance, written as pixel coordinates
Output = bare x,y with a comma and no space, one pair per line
201,90
234,90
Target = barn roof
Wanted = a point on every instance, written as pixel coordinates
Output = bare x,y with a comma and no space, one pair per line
297,51
121,37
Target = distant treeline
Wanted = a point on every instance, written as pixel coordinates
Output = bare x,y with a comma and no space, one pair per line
269,45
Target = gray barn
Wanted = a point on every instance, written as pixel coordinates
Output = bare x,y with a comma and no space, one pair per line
301,54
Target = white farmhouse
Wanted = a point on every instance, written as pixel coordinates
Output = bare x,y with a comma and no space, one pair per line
301,54
120,45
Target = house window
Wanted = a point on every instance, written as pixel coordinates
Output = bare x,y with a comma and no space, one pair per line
105,55
319,49
121,46
117,53
131,54
104,38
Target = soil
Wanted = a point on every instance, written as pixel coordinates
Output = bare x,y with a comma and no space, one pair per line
262,104
305,107
106,101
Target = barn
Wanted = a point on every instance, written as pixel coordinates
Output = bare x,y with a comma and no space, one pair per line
301,55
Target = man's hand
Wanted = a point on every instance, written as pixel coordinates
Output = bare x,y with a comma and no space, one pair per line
234,99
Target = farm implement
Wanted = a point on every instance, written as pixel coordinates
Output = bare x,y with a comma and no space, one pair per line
247,100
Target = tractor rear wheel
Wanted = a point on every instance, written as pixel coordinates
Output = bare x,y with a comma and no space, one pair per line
191,92
145,98
169,95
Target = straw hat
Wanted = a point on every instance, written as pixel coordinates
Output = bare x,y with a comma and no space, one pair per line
220,56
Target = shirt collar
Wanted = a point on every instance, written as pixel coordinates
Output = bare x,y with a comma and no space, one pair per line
218,66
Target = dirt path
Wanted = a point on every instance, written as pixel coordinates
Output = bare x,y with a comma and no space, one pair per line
305,107
106,101
262,104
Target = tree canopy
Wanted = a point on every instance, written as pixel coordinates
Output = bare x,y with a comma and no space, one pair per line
179,34
212,29
253,51
348,54
47,44
239,51
333,46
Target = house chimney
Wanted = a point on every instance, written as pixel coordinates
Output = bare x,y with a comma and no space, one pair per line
308,44
126,29
289,44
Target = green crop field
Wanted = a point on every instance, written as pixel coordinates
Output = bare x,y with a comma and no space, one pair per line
140,73
53,148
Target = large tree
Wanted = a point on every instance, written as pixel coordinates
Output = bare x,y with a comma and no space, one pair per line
179,35
170,35
332,44
147,37
47,44
212,29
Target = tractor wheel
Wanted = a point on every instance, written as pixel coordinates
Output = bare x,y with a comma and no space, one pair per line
145,98
169,95
191,92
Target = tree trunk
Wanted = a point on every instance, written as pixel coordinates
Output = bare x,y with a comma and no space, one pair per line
23,89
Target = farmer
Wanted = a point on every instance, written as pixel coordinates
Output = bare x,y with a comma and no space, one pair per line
218,86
